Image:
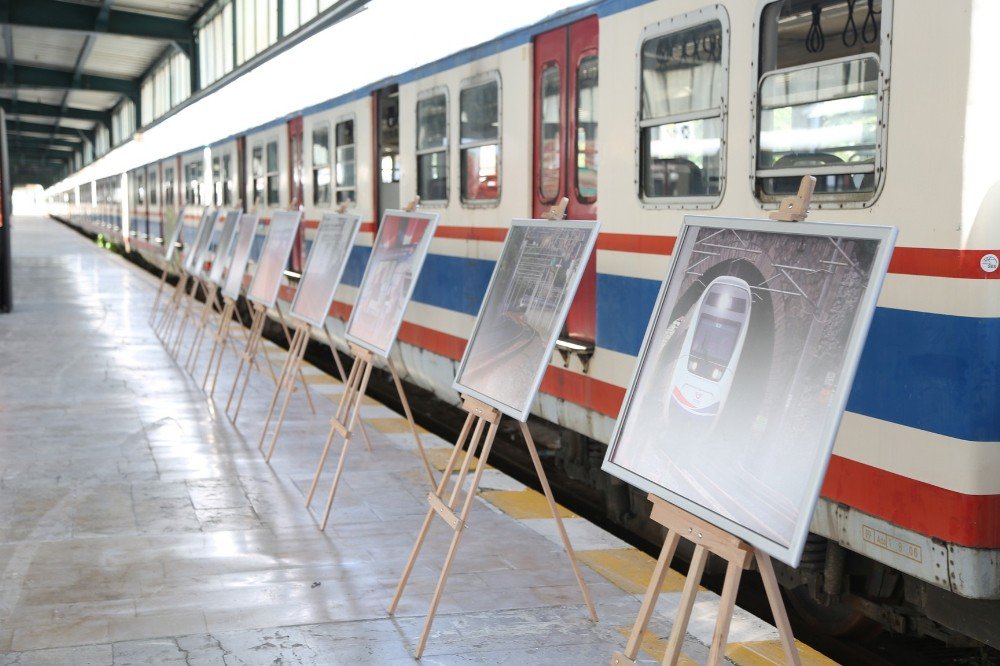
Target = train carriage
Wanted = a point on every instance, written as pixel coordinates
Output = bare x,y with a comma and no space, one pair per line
641,112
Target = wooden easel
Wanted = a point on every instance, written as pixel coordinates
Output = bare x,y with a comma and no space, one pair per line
286,383
164,327
349,410
479,414
248,357
174,238
348,416
708,538
220,340
191,298
211,306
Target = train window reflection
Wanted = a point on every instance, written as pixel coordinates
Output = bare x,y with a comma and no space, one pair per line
432,143
321,165
586,130
550,163
346,176
819,101
479,137
681,117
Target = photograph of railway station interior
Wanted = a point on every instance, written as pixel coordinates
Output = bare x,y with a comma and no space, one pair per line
732,407
522,311
176,485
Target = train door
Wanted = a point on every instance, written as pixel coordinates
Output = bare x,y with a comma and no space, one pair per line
565,140
295,193
240,166
385,107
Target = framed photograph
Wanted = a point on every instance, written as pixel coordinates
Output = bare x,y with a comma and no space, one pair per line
194,252
745,371
274,257
241,256
523,312
324,267
175,234
390,277
224,247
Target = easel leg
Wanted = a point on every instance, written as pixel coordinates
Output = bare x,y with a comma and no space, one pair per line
442,486
341,376
305,384
679,629
777,607
296,361
652,594
543,479
413,425
257,324
282,384
727,603
218,343
342,410
159,294
347,441
453,548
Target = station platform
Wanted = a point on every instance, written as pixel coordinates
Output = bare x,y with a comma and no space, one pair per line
139,525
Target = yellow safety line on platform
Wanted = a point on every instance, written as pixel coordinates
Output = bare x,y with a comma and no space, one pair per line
392,425
520,504
629,569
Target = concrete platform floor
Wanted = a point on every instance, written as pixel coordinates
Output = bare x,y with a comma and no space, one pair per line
139,525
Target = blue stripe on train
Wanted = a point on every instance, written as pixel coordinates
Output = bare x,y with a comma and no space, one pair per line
915,369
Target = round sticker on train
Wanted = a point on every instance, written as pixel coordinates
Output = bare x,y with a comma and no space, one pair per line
989,262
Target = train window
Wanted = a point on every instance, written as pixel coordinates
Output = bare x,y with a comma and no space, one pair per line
140,189
193,177
684,75
479,140
345,163
217,180
227,180
168,187
153,188
432,147
321,165
272,174
549,164
257,170
819,102
586,130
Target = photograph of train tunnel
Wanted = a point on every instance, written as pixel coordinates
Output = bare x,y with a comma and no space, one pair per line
737,397
391,274
523,312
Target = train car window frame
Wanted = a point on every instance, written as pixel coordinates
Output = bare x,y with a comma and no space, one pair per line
272,174
345,193
719,111
258,179
153,186
580,149
442,149
193,182
477,81
827,170
317,167
550,152
168,187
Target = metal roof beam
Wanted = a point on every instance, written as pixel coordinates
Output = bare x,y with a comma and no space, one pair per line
54,14
40,77
43,127
39,141
39,109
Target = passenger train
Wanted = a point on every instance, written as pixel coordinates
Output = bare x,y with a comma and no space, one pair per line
641,112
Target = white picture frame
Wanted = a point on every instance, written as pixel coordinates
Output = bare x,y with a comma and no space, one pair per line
281,234
390,278
523,311
745,370
233,283
224,246
328,255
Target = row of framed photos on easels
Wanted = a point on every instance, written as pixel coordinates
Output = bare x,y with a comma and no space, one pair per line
728,436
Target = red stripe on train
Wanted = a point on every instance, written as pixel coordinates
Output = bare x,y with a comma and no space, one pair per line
969,520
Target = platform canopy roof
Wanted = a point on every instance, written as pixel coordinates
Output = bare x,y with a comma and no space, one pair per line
67,64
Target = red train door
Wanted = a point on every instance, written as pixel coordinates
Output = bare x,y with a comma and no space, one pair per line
565,131
295,185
